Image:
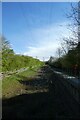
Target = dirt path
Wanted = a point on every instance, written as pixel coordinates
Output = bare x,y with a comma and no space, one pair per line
56,103
9,73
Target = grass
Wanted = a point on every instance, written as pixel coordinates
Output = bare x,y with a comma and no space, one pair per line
11,86
0,66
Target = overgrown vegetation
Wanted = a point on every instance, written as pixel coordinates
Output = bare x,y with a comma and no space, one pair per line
11,62
69,50
12,85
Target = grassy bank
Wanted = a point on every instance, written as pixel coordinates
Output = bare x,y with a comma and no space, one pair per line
11,86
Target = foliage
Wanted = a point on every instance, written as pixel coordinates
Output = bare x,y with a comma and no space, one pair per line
69,62
4,43
69,52
12,61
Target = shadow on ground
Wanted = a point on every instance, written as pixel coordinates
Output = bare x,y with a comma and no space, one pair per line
56,103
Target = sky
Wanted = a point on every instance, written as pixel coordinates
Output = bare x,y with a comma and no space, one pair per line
0,17
35,29
40,0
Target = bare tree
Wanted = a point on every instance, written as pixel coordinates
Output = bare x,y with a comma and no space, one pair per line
4,44
75,17
71,42
59,52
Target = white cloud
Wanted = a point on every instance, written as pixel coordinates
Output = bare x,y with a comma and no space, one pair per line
47,40
42,51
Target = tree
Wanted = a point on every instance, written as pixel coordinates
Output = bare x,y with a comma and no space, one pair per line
59,52
75,17
4,43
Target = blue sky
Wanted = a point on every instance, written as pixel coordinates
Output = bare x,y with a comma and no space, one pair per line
0,17
35,29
